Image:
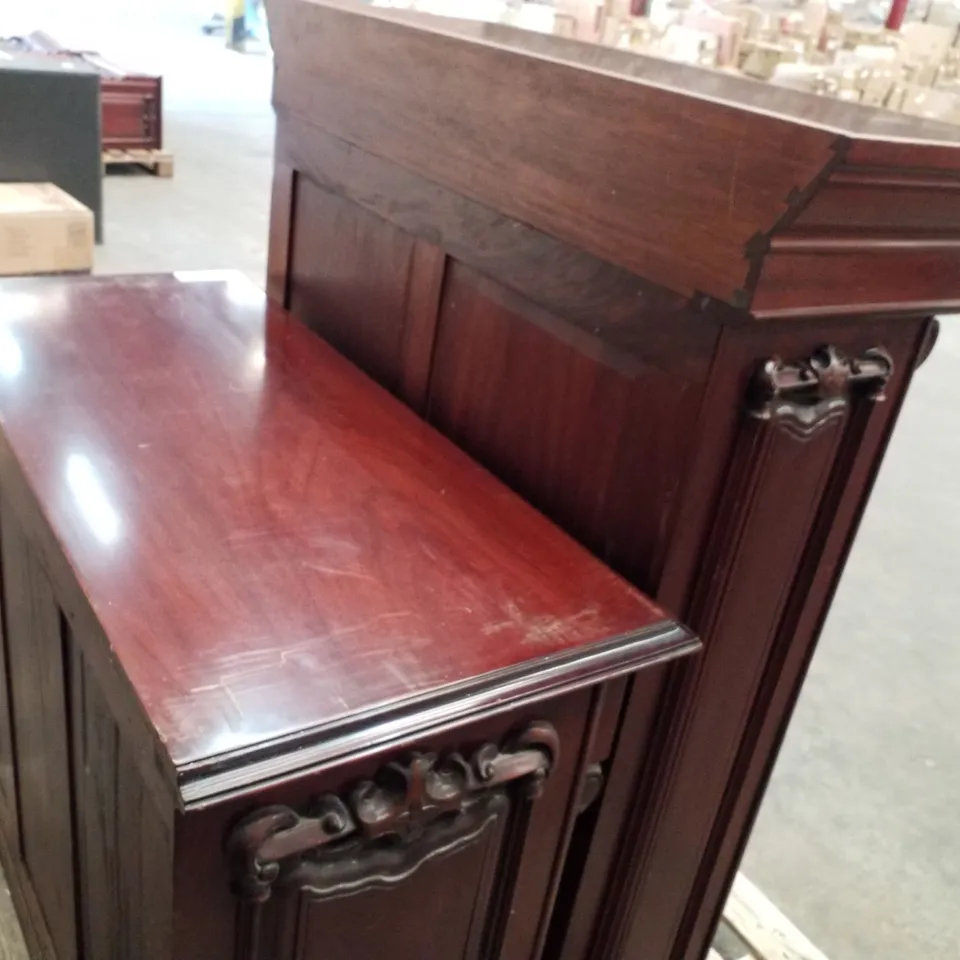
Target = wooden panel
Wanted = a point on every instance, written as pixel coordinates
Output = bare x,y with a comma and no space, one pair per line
448,898
348,279
600,168
439,895
567,421
124,840
619,308
825,554
878,199
805,275
759,557
420,324
598,880
897,153
40,723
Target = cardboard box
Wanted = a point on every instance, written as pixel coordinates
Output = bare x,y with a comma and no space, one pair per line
43,230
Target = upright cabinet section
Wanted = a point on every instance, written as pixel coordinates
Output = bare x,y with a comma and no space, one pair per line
676,311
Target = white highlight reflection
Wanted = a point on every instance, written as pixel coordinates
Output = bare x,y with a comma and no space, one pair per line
17,305
241,290
93,502
11,356
257,361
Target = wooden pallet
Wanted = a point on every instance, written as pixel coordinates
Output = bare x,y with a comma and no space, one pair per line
158,162
765,931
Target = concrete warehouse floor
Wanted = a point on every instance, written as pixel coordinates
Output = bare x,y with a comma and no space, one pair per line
859,841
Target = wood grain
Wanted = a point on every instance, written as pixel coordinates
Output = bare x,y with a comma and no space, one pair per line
826,551
362,317
701,205
425,284
563,419
124,836
441,897
617,307
339,573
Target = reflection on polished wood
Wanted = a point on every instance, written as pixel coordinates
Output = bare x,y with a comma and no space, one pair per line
239,577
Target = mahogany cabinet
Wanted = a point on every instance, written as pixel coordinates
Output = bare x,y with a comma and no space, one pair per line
284,673
678,312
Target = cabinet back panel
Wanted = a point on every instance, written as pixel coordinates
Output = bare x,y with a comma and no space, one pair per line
565,419
349,273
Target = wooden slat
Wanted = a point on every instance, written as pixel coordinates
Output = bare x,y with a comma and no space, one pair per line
160,161
764,929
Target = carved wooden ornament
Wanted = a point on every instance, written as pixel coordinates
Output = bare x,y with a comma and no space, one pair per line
805,396
382,830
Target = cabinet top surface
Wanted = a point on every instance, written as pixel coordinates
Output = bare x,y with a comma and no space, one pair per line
270,542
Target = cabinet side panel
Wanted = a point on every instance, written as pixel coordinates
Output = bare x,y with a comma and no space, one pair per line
125,842
825,553
42,743
9,814
749,571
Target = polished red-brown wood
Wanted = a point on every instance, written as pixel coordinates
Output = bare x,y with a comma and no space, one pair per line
239,577
625,246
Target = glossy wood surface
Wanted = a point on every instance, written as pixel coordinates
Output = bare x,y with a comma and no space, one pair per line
271,544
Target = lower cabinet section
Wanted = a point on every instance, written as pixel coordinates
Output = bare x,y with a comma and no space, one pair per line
41,837
449,847
439,830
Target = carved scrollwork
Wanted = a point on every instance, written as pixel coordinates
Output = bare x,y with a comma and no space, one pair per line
383,829
803,397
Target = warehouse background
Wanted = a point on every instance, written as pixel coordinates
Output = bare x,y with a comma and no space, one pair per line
217,124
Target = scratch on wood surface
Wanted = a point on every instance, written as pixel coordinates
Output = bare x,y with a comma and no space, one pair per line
541,629
225,690
731,197
334,572
233,700
366,624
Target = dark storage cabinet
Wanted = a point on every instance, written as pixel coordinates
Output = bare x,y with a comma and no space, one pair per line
50,128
